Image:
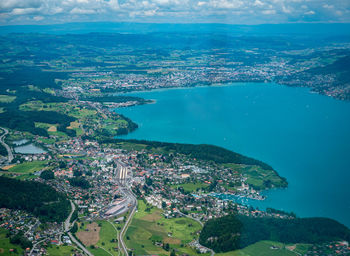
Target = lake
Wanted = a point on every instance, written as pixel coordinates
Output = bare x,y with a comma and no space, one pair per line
29,149
304,136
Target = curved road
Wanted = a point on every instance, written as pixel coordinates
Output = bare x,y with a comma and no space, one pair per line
34,245
128,193
9,152
212,253
67,227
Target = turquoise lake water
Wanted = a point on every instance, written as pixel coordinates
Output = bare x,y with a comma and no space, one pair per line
304,136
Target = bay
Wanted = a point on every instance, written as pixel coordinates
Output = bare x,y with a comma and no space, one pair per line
304,136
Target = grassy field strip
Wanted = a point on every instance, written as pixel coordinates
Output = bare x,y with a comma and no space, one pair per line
7,98
28,167
106,251
191,187
117,235
268,248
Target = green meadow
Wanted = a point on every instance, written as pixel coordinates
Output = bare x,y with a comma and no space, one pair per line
149,227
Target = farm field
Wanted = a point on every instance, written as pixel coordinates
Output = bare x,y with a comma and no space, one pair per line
60,250
149,227
267,248
191,187
258,177
99,237
28,167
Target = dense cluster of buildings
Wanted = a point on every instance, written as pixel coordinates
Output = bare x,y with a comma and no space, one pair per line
206,68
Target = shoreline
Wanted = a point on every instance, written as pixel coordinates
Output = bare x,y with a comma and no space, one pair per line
273,199
234,83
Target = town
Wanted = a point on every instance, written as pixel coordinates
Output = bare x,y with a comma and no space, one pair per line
94,177
131,197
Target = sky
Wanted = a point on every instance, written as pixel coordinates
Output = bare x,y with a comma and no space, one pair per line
174,11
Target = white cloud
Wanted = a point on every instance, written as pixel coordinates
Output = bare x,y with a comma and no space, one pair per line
6,4
310,13
150,12
339,13
23,11
286,9
225,4
230,11
268,12
114,4
327,6
56,10
38,18
77,10
258,3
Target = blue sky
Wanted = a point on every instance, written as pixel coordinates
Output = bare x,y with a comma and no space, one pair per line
174,11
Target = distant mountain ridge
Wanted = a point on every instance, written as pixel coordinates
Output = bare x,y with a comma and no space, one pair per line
321,29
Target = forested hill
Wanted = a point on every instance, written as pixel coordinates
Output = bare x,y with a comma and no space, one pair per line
200,151
39,199
235,232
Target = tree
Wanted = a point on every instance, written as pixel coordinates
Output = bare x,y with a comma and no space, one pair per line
166,247
74,228
148,181
77,173
62,164
21,240
79,182
47,175
163,205
39,199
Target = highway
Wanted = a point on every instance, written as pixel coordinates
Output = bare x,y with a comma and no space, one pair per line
9,152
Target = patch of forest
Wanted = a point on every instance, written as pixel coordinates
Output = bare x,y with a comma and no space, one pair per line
18,84
234,232
340,68
200,151
34,197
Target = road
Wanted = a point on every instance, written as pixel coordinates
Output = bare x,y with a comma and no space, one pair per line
98,109
190,217
67,227
128,194
79,244
9,152
212,253
34,245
